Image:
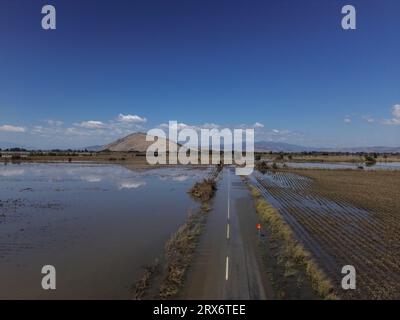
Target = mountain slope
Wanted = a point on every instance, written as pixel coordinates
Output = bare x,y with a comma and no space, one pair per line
135,142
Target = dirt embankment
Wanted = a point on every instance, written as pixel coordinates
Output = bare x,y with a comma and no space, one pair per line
164,280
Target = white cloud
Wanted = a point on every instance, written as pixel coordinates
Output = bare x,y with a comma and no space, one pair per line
210,126
396,116
10,128
396,111
261,133
76,131
55,123
131,118
180,126
368,119
91,124
37,129
275,135
391,122
347,120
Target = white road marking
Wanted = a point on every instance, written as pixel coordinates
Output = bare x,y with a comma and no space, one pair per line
229,191
227,269
228,228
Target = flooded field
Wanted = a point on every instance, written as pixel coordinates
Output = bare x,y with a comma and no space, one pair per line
338,233
97,224
343,165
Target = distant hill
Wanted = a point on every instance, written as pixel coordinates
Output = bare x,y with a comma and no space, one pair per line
286,147
93,148
10,145
134,142
377,149
279,147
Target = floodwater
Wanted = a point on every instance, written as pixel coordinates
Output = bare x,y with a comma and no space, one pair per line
98,225
343,165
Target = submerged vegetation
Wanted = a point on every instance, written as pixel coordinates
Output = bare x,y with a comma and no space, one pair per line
180,247
370,161
204,190
262,166
143,283
179,252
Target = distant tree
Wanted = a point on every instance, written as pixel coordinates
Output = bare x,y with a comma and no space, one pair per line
370,160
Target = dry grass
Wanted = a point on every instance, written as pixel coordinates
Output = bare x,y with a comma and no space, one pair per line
180,247
204,190
143,284
179,252
293,252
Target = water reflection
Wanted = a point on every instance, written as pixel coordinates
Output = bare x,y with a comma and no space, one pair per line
6,171
98,224
131,184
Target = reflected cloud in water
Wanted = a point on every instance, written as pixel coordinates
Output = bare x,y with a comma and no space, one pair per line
131,184
91,178
10,172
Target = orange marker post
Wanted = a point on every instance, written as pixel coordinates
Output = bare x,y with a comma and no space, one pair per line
258,227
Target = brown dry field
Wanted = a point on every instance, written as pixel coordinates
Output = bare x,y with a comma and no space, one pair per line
372,244
376,191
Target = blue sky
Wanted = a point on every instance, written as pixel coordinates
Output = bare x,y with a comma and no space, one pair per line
113,67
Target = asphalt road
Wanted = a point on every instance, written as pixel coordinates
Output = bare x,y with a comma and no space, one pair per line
228,264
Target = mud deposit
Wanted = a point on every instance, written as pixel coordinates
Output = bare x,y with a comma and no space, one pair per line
337,234
97,224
